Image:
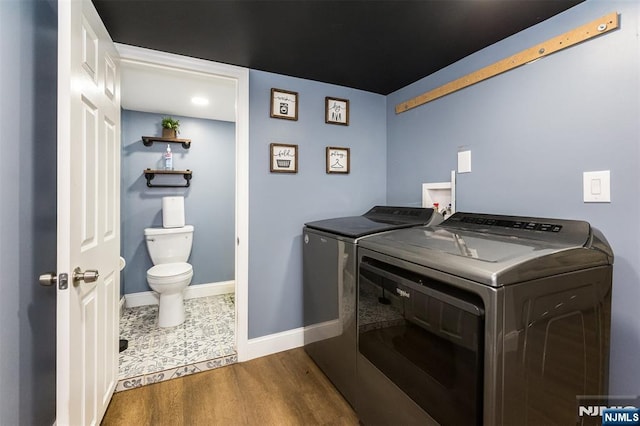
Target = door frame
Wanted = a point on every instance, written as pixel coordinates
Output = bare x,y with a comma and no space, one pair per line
241,76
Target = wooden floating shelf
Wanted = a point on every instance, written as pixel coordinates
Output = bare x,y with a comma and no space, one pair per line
149,174
149,140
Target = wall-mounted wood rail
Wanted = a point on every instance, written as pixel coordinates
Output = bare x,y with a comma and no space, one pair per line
577,35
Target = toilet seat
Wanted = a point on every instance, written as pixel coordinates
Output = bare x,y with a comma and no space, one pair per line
170,272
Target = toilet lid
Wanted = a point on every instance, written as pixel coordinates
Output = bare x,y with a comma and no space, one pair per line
169,269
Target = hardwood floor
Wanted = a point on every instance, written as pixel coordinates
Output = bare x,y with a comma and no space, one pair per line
286,388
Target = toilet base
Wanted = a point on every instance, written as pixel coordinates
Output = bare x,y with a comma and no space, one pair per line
171,310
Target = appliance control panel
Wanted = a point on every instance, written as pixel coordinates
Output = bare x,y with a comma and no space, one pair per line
515,224
559,230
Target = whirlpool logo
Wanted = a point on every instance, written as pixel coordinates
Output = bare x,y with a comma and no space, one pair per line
402,293
609,410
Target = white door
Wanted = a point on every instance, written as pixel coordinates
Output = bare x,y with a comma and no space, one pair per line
88,214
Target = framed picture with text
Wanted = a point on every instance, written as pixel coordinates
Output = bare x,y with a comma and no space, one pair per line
336,111
283,158
338,160
284,104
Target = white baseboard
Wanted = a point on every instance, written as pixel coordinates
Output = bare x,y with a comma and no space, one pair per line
142,298
273,343
290,339
211,289
201,290
322,331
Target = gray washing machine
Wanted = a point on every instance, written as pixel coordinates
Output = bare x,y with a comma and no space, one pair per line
329,285
483,319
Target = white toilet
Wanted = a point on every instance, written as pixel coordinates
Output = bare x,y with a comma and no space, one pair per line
169,249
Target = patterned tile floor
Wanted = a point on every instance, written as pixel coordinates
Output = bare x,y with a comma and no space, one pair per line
206,340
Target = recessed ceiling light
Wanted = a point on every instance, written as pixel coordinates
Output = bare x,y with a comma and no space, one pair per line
198,100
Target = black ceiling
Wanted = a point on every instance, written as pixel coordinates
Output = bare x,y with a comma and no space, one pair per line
373,45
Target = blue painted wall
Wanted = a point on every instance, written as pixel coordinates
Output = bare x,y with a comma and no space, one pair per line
281,203
532,132
209,201
28,82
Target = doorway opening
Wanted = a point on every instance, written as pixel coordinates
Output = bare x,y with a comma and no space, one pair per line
157,85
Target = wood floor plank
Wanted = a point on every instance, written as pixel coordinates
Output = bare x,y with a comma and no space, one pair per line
282,389
121,411
221,404
167,402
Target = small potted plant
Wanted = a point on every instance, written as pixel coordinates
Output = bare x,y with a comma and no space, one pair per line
170,127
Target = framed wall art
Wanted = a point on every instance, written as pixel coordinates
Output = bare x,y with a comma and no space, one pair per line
284,104
336,111
338,160
283,158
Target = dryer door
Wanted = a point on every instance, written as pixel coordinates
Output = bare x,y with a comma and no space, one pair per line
424,338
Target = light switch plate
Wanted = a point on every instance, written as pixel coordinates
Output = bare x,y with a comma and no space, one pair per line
596,187
464,161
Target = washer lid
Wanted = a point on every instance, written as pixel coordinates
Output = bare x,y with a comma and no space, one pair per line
498,250
170,269
378,219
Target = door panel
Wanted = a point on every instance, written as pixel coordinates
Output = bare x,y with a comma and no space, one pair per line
109,179
88,179
86,394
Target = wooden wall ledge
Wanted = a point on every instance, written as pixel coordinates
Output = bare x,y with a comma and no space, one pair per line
578,35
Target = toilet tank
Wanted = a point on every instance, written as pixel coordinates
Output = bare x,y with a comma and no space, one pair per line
169,245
